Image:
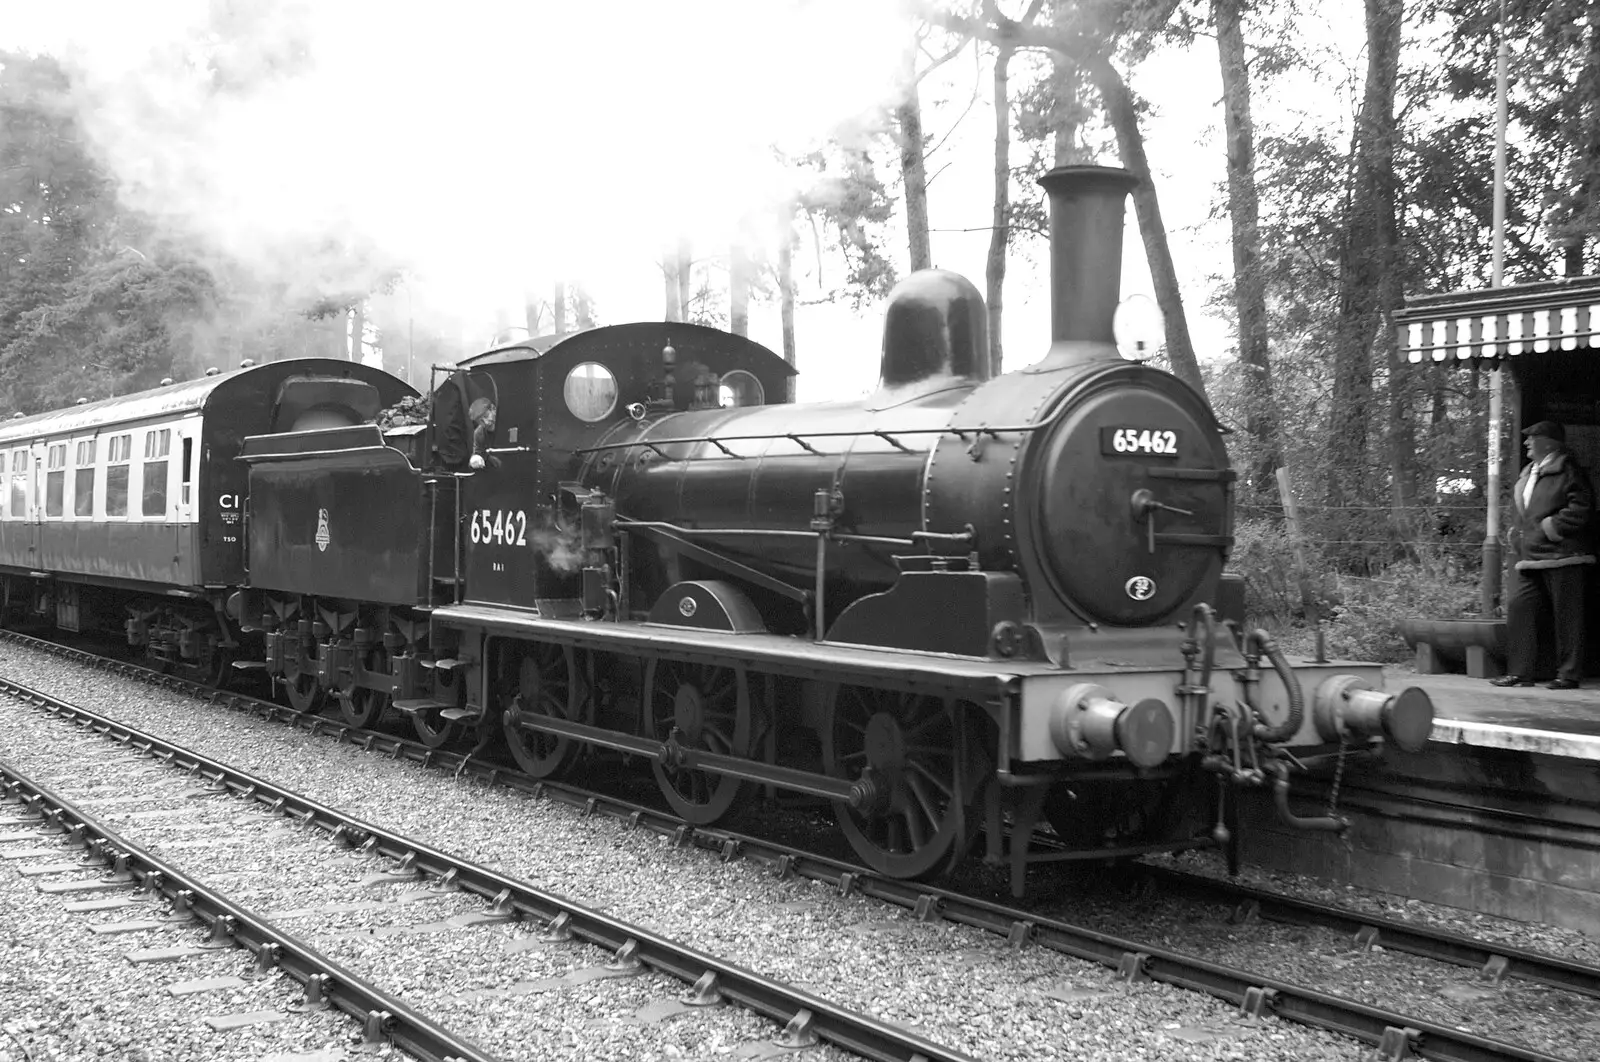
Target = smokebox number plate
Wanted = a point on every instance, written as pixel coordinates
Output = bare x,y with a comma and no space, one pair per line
1141,442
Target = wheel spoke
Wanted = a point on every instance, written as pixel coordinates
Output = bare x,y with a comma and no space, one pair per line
948,791
919,790
914,826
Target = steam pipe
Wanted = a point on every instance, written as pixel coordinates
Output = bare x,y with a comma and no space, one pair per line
1280,800
1291,682
1208,615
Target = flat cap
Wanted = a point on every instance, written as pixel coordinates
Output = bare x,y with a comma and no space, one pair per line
1549,429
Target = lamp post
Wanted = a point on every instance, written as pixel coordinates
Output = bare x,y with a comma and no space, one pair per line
1492,562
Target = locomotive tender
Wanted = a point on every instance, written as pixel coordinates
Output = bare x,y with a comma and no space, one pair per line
958,602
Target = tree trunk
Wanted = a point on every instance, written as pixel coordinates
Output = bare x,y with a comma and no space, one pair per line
1366,262
738,290
1249,286
1067,114
582,309
685,280
532,314
1000,233
669,281
358,328
786,294
914,172
558,307
1124,120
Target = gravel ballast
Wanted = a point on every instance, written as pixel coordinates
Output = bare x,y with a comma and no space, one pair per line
956,985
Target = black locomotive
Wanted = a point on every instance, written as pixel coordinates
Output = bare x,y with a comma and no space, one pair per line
957,602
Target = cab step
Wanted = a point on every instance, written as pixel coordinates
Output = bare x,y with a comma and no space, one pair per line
421,704
456,715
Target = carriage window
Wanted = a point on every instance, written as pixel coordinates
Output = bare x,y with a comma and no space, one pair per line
740,388
188,468
118,451
591,391
55,479
83,480
157,447
5,494
19,484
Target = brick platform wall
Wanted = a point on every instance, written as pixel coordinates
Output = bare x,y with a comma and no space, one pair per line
1504,833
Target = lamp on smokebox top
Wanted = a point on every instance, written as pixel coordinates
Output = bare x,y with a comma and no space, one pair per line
1138,327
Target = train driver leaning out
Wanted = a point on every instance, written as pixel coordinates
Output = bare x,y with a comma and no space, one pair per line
1552,536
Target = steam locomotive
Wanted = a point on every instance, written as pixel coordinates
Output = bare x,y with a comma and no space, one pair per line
962,602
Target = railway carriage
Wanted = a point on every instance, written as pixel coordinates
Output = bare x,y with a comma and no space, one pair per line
128,513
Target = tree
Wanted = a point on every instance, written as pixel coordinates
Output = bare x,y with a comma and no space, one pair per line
1000,233
914,168
1368,284
1244,211
1086,35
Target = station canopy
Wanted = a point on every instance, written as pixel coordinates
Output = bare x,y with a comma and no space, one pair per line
1500,322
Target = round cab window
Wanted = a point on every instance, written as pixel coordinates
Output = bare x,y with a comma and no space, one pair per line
740,388
591,391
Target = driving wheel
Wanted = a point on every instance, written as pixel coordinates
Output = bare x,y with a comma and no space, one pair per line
546,684
920,765
709,708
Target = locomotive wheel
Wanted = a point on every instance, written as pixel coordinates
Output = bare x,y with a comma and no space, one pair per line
362,706
925,767
213,668
302,691
709,707
546,685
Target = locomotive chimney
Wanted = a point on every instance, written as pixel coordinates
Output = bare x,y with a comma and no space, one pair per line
1086,205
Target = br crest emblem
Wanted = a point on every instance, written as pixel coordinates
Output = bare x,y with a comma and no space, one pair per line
323,537
1140,588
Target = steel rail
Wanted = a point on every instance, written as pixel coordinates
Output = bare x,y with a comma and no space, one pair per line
1255,994
791,1007
1496,961
325,981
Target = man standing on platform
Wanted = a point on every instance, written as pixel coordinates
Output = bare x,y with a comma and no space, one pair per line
1553,542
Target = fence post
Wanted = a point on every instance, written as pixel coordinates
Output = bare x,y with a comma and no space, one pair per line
1308,600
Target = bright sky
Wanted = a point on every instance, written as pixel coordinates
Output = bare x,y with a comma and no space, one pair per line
499,146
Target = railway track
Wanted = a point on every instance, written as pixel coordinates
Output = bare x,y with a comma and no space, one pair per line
1394,1034
800,1018
129,875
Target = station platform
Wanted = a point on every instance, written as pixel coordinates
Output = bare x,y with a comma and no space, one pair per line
1498,814
1469,711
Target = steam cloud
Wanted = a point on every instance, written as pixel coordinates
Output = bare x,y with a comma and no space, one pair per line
561,550
487,150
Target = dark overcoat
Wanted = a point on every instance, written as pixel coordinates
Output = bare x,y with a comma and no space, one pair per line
1556,528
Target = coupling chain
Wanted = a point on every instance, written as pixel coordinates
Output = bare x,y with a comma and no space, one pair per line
1338,778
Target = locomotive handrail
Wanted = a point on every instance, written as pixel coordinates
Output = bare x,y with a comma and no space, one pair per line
755,532
961,432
